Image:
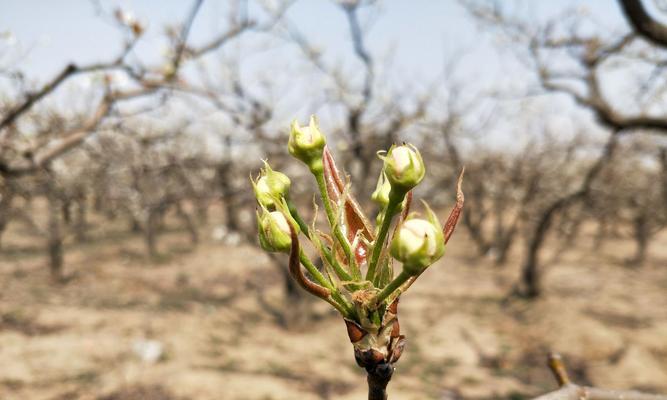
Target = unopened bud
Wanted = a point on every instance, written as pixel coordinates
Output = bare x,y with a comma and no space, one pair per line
418,244
381,194
274,231
306,143
404,167
270,186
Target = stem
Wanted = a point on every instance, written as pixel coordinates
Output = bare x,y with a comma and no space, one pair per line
395,200
378,379
392,286
342,274
295,214
331,216
314,271
339,302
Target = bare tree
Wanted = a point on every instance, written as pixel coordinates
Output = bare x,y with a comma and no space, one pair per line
592,57
121,87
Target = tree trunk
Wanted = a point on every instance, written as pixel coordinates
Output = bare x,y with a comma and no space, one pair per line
67,211
81,224
530,283
189,223
55,236
642,235
150,232
377,383
228,197
202,211
475,230
135,225
601,234
503,248
6,197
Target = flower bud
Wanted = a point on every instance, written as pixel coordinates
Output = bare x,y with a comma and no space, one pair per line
306,143
274,231
418,243
381,194
270,186
404,167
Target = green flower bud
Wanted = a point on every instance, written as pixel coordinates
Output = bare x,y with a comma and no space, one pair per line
381,194
404,167
274,231
270,186
306,143
418,243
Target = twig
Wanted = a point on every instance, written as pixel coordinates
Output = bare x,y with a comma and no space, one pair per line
571,391
643,23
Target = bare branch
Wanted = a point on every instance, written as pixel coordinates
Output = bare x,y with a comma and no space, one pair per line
185,31
570,391
360,50
643,23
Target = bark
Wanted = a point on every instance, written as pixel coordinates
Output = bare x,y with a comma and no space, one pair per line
150,232
189,223
601,234
643,23
81,222
473,225
530,285
378,381
6,197
67,211
503,245
642,233
571,391
55,236
228,196
135,225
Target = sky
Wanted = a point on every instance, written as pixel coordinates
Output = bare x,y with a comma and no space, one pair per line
420,33
417,37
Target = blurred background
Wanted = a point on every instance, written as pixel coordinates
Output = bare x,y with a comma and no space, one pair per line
129,129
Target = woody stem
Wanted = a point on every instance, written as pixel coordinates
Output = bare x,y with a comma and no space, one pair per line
378,379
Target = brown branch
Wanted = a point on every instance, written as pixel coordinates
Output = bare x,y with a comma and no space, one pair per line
220,40
643,23
590,56
359,47
377,384
530,270
555,363
67,72
48,151
32,98
185,31
570,391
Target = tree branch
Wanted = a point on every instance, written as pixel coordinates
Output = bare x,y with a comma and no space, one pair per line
570,391
643,23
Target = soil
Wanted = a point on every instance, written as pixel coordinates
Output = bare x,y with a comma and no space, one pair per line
211,322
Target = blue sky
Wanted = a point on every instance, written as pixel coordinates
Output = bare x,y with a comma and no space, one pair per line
418,37
420,34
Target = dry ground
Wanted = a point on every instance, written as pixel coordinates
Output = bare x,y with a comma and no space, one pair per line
219,339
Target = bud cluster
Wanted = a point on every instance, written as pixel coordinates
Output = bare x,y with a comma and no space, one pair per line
367,301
